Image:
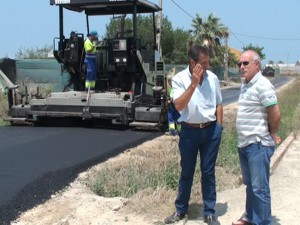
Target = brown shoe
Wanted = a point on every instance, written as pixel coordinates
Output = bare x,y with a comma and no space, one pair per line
242,221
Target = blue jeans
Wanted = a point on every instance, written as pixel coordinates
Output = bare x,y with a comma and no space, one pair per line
255,164
206,141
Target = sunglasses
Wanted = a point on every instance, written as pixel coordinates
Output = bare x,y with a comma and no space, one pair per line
245,63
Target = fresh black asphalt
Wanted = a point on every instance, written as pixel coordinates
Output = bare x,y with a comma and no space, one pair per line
36,162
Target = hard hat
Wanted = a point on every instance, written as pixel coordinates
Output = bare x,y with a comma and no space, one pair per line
94,33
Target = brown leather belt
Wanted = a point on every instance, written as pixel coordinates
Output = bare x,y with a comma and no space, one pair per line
197,125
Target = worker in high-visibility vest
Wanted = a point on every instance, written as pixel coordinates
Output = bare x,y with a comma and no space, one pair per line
173,114
90,45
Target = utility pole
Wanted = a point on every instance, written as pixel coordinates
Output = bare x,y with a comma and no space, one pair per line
226,61
159,26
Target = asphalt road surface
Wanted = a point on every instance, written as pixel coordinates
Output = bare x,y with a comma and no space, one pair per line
35,162
38,161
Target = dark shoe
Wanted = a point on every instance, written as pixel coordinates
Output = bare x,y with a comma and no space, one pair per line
209,219
175,217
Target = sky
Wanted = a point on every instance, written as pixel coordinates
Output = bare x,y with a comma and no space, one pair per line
273,25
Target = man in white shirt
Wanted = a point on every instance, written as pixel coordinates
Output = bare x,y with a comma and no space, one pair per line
197,96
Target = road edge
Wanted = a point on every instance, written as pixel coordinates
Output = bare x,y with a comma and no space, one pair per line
280,152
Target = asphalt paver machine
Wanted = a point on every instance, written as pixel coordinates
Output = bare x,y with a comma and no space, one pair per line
130,85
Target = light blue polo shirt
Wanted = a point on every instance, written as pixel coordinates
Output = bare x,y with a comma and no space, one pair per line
205,99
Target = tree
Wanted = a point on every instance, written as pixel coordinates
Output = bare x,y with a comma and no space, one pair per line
210,32
257,49
170,52
114,29
178,53
37,53
167,40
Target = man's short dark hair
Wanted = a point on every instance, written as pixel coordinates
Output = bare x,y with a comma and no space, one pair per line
195,50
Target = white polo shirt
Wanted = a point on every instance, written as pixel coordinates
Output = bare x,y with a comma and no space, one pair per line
206,97
251,123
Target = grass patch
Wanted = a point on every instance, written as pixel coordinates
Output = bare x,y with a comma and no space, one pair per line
228,157
138,170
289,103
3,108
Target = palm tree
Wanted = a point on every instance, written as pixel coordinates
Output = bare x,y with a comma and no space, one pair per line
209,32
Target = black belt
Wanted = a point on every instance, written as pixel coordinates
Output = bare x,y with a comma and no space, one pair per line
197,125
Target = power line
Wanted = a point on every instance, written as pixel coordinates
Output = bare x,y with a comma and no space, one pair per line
268,38
236,37
182,9
193,18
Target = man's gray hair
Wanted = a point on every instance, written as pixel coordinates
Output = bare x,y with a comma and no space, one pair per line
256,56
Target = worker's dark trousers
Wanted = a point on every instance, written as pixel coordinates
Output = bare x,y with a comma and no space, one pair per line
206,141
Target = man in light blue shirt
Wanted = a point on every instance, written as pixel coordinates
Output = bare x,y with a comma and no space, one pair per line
197,96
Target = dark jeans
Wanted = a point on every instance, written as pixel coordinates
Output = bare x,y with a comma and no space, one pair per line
206,141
